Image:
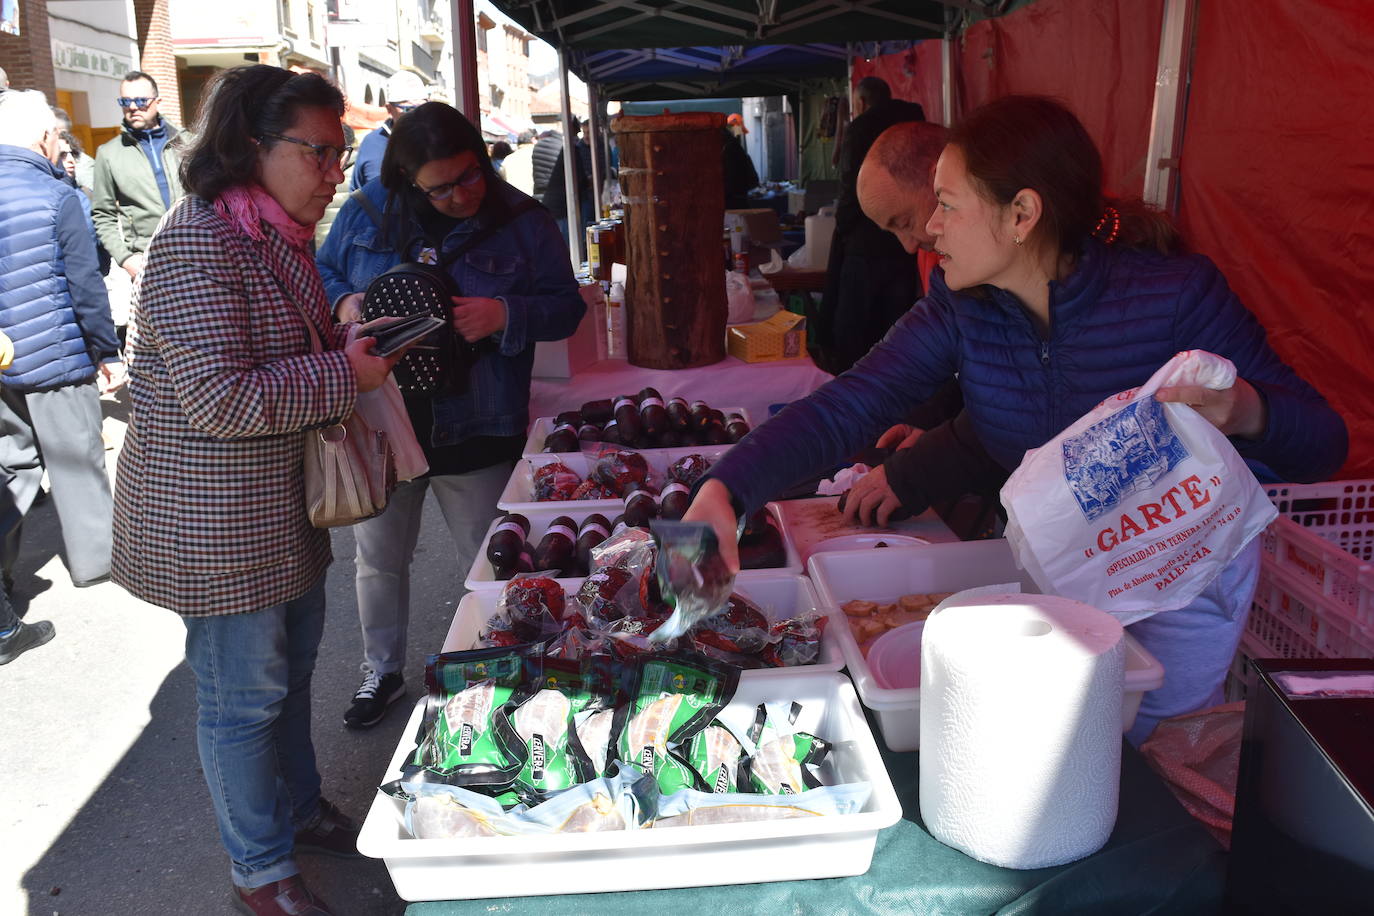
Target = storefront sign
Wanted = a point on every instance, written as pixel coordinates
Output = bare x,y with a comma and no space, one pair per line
66,56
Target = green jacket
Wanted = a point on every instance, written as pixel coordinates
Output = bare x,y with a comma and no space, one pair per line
126,204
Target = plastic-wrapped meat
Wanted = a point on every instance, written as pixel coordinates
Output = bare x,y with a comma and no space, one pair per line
799,643
599,593
439,817
534,605
597,814
775,766
542,722
619,469
468,712
590,489
594,734
715,754
555,482
688,469
733,814
648,731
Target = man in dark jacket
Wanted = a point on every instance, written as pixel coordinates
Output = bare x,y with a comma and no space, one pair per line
54,309
547,153
556,194
871,281
137,179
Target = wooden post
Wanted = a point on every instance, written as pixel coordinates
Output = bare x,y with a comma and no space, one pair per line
674,190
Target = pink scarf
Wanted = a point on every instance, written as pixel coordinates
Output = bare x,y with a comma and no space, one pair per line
248,206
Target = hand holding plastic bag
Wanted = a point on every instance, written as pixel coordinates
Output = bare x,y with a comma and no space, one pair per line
1139,504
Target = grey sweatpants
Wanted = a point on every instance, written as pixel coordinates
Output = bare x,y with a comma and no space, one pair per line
64,424
386,545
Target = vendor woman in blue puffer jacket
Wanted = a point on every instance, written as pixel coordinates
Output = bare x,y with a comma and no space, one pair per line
1048,299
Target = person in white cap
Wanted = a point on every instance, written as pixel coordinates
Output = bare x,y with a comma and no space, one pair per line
404,91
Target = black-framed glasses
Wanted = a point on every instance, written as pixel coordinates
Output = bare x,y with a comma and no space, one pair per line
468,179
326,156
142,101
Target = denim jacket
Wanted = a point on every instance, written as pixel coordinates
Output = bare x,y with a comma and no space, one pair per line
524,264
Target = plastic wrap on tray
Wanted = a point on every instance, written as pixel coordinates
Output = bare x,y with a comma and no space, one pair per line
457,741
618,469
555,482
675,697
783,758
689,808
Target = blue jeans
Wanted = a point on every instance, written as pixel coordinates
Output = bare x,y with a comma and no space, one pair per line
253,730
1195,644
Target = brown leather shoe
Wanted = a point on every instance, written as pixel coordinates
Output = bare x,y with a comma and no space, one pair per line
334,834
287,897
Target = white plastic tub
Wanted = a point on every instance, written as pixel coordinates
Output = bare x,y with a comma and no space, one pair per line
885,575
483,577
518,495
798,848
541,427
779,595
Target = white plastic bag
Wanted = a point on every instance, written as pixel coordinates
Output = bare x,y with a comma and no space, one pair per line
1138,505
384,410
739,298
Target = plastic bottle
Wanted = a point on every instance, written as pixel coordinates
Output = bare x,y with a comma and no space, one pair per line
594,530
652,413
555,550
615,322
627,419
506,542
672,505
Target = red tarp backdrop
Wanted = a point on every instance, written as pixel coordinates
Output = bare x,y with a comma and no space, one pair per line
1278,185
1277,177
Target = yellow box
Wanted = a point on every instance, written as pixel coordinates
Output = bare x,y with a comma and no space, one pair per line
781,337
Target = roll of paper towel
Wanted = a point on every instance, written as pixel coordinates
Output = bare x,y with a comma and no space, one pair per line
1021,728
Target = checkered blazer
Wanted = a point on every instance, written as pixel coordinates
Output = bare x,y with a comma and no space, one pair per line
209,495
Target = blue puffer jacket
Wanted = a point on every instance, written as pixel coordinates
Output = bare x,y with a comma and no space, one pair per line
52,301
524,264
1120,316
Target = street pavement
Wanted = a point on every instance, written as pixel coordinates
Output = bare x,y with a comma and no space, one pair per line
103,808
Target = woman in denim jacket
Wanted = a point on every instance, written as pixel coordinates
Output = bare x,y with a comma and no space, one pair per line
437,190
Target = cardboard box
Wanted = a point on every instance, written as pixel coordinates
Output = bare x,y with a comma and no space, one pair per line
781,337
760,225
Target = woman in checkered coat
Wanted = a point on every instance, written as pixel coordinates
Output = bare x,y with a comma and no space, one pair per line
210,516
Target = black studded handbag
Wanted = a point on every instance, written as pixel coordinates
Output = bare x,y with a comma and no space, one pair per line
441,363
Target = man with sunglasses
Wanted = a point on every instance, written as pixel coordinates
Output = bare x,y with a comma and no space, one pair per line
404,91
136,182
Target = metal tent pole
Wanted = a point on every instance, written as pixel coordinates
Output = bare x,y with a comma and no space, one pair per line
465,61
570,164
597,141
1171,86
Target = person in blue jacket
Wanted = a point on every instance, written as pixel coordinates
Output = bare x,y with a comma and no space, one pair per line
437,192
54,308
1048,299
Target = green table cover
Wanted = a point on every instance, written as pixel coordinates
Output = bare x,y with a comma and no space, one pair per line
1158,860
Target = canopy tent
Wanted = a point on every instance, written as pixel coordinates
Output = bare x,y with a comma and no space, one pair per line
736,71
596,25
1242,151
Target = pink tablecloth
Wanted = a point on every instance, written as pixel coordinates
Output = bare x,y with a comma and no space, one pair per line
728,383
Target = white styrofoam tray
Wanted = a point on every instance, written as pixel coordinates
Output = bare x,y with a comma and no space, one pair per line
779,595
518,495
780,850
886,575
483,576
542,426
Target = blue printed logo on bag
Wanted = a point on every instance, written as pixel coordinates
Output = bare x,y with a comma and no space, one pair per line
1137,506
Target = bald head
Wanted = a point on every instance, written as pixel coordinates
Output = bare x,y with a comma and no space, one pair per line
894,185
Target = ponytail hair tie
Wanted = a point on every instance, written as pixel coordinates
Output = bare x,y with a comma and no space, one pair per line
1108,228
